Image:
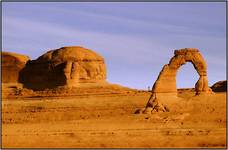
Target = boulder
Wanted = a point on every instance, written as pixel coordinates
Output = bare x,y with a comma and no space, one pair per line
66,66
220,86
12,64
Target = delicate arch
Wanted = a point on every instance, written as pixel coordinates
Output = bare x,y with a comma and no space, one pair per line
166,81
165,85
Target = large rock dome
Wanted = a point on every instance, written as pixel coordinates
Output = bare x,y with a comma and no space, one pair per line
67,66
71,53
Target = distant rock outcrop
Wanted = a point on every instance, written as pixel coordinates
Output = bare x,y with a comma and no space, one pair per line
67,66
166,81
220,86
12,63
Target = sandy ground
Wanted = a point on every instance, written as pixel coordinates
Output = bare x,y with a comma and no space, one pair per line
108,121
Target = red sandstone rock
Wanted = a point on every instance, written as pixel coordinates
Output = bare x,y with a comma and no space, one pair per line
12,63
220,86
166,81
67,66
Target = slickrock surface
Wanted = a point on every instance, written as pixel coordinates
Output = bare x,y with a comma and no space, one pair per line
108,121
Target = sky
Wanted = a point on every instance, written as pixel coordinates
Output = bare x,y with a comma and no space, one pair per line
135,39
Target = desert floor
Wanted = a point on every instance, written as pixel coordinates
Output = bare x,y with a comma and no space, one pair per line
108,121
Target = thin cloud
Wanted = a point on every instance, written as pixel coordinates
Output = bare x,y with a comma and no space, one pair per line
135,45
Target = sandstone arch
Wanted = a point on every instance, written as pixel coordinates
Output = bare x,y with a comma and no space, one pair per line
165,85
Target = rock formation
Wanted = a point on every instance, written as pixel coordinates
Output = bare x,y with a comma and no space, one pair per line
166,81
12,63
220,86
67,66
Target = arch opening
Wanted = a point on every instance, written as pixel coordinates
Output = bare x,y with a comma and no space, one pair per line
165,86
186,76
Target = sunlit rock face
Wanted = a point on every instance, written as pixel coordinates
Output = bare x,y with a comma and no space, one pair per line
166,81
165,85
67,66
11,65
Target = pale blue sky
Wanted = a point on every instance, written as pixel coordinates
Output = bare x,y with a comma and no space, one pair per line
136,39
